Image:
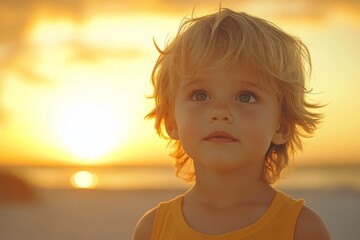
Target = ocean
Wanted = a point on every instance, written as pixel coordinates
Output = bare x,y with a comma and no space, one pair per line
163,177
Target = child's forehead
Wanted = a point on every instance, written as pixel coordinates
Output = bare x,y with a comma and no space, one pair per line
239,72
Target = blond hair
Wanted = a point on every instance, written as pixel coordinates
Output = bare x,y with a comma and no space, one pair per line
282,59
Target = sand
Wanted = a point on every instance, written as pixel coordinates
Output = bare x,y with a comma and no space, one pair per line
99,214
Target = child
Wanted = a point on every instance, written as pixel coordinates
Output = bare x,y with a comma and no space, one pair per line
230,94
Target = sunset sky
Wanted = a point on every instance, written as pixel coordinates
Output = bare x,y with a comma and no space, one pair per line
74,78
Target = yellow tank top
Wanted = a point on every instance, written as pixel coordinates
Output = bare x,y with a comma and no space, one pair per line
278,222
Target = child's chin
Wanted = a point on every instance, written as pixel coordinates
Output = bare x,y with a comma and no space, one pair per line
224,164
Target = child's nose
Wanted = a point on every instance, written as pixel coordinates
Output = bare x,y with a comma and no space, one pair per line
220,115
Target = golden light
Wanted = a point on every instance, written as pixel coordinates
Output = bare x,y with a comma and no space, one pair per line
83,179
94,100
88,129
91,119
93,103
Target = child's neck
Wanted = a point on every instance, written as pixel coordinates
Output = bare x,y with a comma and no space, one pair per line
220,191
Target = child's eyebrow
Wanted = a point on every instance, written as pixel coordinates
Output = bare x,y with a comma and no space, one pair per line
242,82
261,87
191,82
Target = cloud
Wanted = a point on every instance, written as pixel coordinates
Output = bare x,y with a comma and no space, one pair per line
320,10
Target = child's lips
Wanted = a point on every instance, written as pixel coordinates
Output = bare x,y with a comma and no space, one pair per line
221,137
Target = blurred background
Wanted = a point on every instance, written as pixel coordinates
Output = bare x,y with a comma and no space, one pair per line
74,76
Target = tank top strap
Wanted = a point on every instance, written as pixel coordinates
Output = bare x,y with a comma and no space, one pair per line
164,215
287,217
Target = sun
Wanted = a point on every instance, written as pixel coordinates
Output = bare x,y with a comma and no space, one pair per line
89,128
83,179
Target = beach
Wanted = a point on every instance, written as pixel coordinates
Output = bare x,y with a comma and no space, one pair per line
66,214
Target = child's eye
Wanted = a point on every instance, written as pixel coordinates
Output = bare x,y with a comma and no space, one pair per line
199,95
246,97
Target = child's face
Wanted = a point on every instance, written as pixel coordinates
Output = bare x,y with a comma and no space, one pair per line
224,119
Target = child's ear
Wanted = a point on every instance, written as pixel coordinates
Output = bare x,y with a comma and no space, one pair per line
171,127
282,133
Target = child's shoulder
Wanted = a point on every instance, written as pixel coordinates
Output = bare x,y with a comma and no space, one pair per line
310,226
144,227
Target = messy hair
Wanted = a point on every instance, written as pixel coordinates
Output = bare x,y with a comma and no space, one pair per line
283,60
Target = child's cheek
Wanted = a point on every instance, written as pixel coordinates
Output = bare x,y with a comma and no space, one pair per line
191,116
